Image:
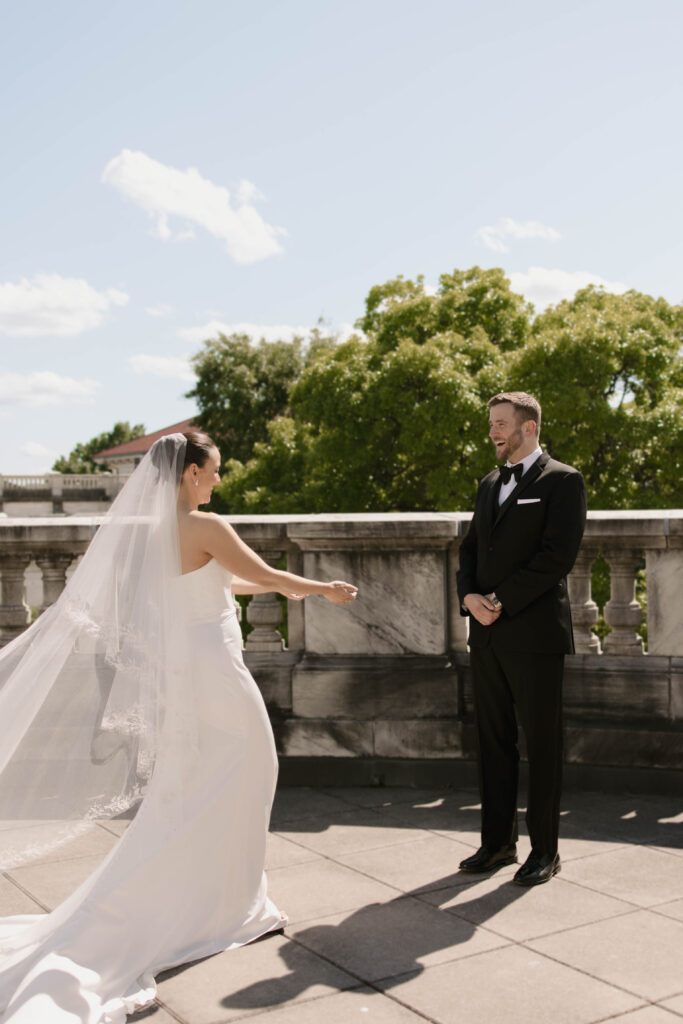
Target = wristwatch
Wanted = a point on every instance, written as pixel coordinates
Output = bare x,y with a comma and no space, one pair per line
494,600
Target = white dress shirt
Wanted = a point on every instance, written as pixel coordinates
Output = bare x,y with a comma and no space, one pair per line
528,461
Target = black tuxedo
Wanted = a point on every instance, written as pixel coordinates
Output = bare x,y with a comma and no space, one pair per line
522,550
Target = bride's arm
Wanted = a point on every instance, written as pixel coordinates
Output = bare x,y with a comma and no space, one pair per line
239,586
220,540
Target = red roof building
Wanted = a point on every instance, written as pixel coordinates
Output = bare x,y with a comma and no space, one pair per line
123,458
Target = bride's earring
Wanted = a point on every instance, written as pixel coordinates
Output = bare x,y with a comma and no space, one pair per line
196,483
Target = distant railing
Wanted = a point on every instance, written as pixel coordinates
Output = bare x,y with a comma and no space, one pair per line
58,488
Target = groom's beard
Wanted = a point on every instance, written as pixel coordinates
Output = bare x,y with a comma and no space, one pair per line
512,445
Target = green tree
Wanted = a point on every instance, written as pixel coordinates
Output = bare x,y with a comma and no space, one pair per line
79,460
242,386
608,372
397,420
467,303
392,421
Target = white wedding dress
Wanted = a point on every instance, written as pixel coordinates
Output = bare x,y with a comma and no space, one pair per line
186,878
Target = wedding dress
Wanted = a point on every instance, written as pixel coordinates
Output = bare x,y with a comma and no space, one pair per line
183,735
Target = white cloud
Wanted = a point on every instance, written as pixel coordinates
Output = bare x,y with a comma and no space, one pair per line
35,450
271,332
167,192
172,367
544,287
52,304
162,310
493,236
44,387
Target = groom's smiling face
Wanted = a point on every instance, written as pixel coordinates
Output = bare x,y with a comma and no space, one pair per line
505,431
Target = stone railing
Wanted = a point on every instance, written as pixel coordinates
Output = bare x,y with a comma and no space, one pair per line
379,690
56,492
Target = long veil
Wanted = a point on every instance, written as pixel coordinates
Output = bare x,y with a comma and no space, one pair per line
91,695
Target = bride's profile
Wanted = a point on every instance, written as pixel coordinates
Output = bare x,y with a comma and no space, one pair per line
129,699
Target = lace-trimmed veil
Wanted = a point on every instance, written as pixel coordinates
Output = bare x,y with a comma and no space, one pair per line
92,701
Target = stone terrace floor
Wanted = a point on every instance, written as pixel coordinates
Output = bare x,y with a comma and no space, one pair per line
384,929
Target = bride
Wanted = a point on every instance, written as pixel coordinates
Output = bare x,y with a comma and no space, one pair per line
129,698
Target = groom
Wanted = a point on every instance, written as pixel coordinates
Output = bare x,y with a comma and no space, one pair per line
523,539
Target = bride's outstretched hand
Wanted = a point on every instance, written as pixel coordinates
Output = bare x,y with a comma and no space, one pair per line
339,592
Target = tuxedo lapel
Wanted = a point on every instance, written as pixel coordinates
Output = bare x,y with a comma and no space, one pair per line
492,501
527,479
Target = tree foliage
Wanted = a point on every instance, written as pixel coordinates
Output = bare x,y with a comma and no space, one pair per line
395,418
391,421
608,372
241,387
79,460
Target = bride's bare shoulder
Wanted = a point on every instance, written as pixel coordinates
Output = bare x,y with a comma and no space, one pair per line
203,524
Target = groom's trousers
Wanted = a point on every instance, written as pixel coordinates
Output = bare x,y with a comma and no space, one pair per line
531,684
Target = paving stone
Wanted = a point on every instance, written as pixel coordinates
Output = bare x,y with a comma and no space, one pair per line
641,818
388,796
640,952
520,913
575,843
429,862
646,1015
50,884
153,1015
318,888
448,818
675,849
297,802
97,841
355,829
386,939
638,874
675,1004
280,852
361,1005
241,982
513,984
14,901
673,909
115,825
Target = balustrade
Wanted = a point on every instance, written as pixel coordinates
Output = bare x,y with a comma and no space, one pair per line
585,612
623,613
57,488
386,677
264,615
53,567
15,614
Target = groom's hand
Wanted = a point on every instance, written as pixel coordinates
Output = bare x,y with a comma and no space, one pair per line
483,610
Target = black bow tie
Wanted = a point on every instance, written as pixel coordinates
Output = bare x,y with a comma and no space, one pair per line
507,473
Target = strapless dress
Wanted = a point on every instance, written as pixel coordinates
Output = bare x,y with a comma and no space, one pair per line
186,878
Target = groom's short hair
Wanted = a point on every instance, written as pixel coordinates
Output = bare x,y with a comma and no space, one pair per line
526,406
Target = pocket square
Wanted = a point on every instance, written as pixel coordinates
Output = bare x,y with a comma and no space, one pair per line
527,501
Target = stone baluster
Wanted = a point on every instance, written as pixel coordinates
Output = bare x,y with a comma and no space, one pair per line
585,611
264,614
53,568
623,613
296,621
15,614
56,492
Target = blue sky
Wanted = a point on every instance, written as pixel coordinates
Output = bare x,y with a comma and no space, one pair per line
173,168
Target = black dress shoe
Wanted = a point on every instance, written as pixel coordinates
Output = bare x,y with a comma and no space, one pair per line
486,860
537,868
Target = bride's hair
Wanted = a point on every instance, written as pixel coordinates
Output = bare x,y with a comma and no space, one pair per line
198,448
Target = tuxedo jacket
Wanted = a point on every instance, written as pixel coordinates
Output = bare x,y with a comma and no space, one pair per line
523,550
